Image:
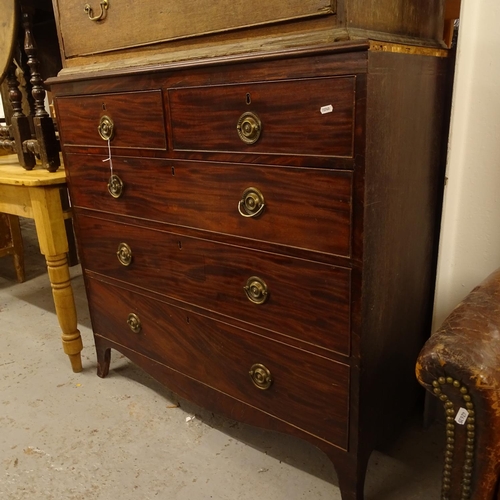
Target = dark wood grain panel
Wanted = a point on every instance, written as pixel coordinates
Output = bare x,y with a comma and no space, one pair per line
138,118
307,300
299,117
308,391
402,195
305,208
207,397
339,59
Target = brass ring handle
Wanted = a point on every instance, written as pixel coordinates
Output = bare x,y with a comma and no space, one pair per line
124,254
90,11
256,290
261,376
115,186
134,323
249,127
106,128
252,203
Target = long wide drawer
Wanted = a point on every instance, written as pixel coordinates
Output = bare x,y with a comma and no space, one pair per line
299,207
129,119
118,24
294,297
303,389
310,117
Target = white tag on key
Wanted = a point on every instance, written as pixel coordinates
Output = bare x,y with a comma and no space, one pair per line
462,416
109,158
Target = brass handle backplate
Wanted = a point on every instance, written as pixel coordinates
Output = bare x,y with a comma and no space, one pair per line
249,127
124,254
252,203
115,186
256,290
134,323
106,128
261,376
90,11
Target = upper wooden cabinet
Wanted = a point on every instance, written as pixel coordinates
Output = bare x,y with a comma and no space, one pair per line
122,24
103,31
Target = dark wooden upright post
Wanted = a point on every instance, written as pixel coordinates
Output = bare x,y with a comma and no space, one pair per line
48,146
20,127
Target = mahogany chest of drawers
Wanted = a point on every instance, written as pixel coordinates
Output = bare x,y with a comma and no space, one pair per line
258,233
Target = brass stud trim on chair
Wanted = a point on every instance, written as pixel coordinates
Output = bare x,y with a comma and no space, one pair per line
450,436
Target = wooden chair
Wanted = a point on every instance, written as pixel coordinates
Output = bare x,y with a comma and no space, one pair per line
30,137
30,131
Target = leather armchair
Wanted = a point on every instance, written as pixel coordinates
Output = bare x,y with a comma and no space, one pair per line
460,364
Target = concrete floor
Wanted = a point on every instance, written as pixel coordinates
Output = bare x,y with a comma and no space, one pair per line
66,436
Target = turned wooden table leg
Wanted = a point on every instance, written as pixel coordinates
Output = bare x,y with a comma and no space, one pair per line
62,291
49,222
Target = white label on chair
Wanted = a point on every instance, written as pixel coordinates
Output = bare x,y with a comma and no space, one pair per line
462,416
326,109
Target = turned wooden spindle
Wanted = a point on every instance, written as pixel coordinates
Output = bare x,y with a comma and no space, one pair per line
8,144
5,140
20,127
48,146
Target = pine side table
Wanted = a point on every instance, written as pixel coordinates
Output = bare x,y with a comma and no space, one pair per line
35,194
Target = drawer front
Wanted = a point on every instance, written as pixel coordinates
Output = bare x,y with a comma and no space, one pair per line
301,299
129,24
137,117
298,207
311,117
307,391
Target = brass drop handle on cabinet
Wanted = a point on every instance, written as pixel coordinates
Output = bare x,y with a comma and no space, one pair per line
256,290
249,127
104,4
106,128
134,323
115,186
124,254
261,376
252,203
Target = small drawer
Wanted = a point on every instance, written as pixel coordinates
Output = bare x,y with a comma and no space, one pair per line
296,298
309,117
307,391
298,207
129,120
